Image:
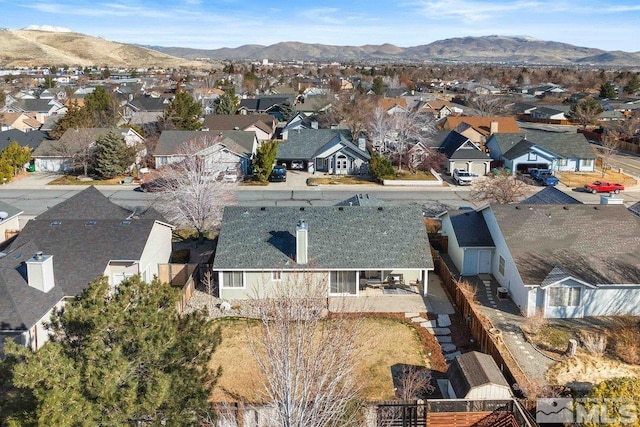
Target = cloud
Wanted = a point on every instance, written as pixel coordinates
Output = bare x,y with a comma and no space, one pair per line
49,28
472,11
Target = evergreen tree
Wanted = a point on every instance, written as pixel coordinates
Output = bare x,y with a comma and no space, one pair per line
287,110
380,167
265,157
586,112
101,107
633,85
15,157
120,356
607,90
113,157
378,86
184,112
227,103
76,118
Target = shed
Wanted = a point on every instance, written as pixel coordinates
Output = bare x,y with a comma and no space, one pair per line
475,375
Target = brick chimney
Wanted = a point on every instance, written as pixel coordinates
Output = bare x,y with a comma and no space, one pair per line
302,242
40,272
494,127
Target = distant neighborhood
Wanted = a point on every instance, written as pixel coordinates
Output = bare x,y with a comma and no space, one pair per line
493,294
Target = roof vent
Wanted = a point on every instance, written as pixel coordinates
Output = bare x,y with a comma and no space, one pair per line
56,223
263,208
565,208
340,208
89,223
302,208
518,207
530,208
380,208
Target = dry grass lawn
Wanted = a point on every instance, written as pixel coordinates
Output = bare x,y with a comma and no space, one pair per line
71,180
579,179
405,175
589,368
340,180
386,342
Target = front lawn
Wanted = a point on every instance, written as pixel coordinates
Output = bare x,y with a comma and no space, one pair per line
73,180
406,175
340,180
386,342
580,179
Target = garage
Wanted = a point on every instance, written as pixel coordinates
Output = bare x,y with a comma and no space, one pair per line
524,167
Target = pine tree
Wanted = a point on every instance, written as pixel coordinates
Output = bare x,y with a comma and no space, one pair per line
265,157
227,103
184,112
287,110
112,155
633,85
378,86
607,90
121,357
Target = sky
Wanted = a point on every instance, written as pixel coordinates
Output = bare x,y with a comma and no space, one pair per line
207,24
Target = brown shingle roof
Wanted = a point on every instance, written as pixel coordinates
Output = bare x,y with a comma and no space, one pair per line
483,124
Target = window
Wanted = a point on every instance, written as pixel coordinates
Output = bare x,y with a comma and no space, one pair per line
343,282
276,276
564,297
563,162
232,279
501,264
587,163
533,156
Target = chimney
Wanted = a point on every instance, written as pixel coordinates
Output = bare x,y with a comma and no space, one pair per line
314,125
40,272
302,242
362,143
494,127
285,135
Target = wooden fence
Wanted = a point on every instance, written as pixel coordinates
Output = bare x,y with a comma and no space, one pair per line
486,335
185,276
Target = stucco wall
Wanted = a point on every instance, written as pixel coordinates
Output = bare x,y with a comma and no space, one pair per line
157,250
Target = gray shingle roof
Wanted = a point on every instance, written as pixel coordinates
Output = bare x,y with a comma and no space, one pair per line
521,148
550,196
238,141
350,237
30,139
598,244
10,210
81,251
240,121
306,144
471,229
363,199
474,369
565,145
506,141
451,147
147,103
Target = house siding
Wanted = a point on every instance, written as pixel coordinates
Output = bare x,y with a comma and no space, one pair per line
157,250
511,279
612,300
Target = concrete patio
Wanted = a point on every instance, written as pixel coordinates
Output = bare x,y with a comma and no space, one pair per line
375,301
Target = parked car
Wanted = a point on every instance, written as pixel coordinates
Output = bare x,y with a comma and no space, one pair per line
230,175
462,177
278,174
604,187
543,176
297,164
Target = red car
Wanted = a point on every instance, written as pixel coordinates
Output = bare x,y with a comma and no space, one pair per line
604,187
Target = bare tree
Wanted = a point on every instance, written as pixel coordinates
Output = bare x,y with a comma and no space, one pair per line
307,360
414,383
586,112
498,188
609,148
191,193
410,128
489,106
380,129
79,146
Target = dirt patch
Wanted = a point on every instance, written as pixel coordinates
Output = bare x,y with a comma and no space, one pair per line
580,179
586,369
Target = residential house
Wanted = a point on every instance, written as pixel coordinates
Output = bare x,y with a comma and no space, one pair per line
393,105
19,121
9,221
221,150
264,125
549,114
58,155
298,121
40,109
540,149
30,140
479,129
476,375
144,111
440,108
550,195
325,150
56,255
463,154
344,247
266,104
563,260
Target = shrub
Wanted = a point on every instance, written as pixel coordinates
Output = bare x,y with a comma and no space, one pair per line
380,167
626,340
594,343
534,323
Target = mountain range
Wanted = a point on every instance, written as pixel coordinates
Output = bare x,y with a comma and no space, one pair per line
32,48
499,49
